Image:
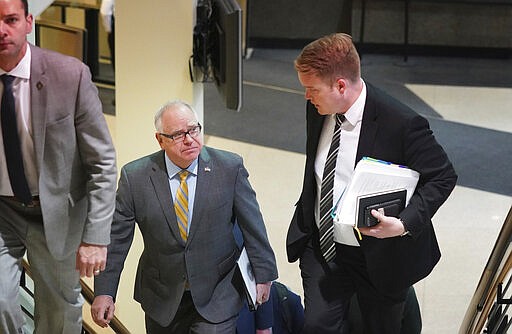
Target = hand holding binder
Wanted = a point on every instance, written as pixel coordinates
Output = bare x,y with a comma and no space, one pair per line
390,203
375,182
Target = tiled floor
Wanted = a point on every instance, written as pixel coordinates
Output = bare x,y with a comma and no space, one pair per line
467,225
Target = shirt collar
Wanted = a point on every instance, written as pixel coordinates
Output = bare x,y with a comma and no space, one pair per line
172,169
22,70
355,113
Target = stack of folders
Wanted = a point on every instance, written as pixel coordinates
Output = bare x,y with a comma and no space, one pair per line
379,185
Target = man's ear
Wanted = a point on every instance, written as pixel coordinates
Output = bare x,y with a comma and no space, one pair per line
29,23
158,139
341,85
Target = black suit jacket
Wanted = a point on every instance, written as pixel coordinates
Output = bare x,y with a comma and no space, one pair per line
393,132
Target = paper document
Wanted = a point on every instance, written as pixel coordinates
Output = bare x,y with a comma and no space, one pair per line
248,277
373,176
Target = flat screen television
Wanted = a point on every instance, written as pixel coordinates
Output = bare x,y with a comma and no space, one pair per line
218,48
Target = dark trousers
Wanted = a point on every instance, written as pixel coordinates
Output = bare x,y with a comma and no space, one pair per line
188,321
328,289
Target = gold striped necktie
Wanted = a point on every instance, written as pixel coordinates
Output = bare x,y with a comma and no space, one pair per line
181,204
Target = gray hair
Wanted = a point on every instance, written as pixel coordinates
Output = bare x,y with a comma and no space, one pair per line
170,105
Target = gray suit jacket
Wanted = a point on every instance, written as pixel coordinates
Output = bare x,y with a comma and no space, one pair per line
74,153
208,258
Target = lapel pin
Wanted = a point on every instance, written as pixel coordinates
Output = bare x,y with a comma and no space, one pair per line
207,169
39,85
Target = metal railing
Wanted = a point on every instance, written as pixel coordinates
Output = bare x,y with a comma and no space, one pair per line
489,310
87,328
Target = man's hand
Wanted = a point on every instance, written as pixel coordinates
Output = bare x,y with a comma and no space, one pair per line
102,310
90,259
262,292
386,228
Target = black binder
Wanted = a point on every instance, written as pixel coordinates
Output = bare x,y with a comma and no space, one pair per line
392,202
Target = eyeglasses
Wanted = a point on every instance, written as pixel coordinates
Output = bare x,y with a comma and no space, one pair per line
178,137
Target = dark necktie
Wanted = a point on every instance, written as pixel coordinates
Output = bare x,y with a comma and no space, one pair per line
12,145
326,226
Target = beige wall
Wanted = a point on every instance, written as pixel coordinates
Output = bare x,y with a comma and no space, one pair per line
153,46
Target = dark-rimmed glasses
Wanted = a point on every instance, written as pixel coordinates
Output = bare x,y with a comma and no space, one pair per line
178,137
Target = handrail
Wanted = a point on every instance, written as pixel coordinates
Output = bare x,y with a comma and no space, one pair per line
115,324
74,4
58,25
496,270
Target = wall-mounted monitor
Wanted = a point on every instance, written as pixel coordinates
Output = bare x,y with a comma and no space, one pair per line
218,48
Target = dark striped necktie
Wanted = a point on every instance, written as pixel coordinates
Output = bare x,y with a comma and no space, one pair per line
326,226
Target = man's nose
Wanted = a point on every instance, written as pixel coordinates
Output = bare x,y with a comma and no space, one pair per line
188,138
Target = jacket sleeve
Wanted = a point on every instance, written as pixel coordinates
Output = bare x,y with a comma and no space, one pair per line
123,228
98,157
250,220
437,175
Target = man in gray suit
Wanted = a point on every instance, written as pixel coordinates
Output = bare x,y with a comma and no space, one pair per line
184,278
57,178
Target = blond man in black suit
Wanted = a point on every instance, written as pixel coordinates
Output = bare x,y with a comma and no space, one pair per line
398,251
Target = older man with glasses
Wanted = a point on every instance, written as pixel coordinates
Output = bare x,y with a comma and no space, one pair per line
185,200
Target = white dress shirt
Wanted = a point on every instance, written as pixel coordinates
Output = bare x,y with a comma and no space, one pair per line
21,92
349,139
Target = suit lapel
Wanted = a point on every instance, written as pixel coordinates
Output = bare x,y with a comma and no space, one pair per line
160,181
205,172
39,100
315,124
314,129
369,126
